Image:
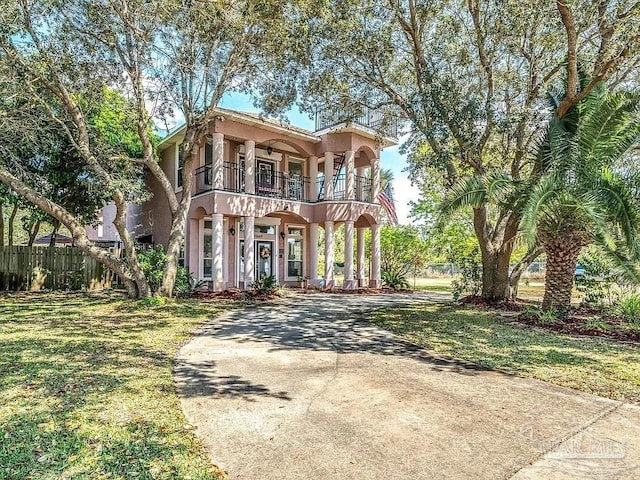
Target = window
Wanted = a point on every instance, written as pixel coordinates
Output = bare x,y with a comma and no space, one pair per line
207,249
100,226
179,166
295,253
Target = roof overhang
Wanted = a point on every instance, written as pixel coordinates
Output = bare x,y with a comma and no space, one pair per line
177,135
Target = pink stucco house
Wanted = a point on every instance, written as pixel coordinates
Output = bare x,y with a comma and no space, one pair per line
263,193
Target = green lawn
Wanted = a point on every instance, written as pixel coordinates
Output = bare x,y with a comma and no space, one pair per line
86,389
596,366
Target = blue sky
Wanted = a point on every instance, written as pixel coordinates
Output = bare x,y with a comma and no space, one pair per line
391,157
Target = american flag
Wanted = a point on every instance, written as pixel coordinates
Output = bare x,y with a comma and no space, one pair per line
390,207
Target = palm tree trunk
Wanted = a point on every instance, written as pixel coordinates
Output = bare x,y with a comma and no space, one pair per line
562,257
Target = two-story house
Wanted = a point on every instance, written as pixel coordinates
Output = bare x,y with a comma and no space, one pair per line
263,194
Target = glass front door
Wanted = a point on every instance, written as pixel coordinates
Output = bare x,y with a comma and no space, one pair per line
264,262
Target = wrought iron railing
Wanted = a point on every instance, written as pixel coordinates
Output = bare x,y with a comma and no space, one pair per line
380,121
363,189
204,180
282,185
233,177
340,187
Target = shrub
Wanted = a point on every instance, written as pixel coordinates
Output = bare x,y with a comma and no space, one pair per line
470,281
152,264
265,285
628,306
395,280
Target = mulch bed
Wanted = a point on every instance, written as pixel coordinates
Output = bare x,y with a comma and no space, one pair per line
592,322
478,302
577,323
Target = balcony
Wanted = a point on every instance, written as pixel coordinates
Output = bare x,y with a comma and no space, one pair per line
381,122
362,190
268,183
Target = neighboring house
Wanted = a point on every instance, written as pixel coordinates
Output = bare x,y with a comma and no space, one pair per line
104,232
262,192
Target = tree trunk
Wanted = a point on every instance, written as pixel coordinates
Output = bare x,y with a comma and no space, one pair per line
176,235
33,232
495,275
12,220
1,226
520,268
54,232
496,246
562,257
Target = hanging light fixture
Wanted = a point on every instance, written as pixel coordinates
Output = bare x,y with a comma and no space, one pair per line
269,149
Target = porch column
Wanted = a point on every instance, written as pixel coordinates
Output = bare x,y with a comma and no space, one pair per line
360,255
375,180
328,176
217,163
313,179
216,241
249,167
249,253
359,185
313,255
349,160
349,282
375,280
192,242
328,255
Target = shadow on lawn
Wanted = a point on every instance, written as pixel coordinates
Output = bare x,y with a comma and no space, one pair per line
74,375
484,338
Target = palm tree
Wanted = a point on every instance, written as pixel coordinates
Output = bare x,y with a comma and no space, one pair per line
583,196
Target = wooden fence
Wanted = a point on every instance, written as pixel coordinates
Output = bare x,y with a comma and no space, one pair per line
55,268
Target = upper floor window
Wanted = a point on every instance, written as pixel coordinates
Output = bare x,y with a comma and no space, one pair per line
180,166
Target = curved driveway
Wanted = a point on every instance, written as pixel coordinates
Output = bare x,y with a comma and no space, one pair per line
309,389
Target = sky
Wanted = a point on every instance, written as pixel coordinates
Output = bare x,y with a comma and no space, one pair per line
391,158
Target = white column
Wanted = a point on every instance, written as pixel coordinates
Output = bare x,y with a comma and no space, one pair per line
250,166
375,278
313,178
359,185
328,176
349,160
313,254
192,247
328,255
360,261
249,253
349,282
217,164
375,180
216,241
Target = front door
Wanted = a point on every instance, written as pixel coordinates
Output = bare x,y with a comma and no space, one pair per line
264,261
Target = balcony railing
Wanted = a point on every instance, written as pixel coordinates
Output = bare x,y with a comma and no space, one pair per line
282,185
268,184
363,189
377,120
204,180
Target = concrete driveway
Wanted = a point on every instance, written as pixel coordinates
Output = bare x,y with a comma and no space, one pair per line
308,389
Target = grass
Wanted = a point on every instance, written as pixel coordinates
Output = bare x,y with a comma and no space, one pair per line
86,389
595,366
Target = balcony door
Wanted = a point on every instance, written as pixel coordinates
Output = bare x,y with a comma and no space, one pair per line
266,178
